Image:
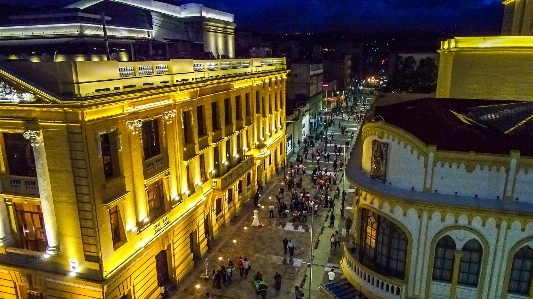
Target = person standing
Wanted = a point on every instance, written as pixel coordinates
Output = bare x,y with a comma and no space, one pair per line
291,246
247,266
348,225
337,239
285,243
229,274
277,279
332,220
271,209
207,296
332,241
331,275
240,265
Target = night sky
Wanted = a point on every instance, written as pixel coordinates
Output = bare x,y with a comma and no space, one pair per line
292,16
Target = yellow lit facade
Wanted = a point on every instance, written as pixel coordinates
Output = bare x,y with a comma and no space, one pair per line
114,174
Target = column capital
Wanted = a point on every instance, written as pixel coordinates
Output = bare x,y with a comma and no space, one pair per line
135,126
34,137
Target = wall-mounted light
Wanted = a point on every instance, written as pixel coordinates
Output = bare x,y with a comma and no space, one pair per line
187,192
226,162
72,274
46,255
134,229
198,183
146,219
236,155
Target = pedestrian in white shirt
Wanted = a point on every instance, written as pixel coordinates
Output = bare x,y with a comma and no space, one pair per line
331,275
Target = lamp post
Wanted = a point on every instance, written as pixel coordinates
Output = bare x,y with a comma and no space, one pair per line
311,258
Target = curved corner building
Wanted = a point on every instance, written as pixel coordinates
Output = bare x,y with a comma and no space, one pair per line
444,186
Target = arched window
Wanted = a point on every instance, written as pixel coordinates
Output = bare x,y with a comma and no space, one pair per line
383,245
443,263
470,263
521,272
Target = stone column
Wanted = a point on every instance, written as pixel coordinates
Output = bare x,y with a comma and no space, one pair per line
5,231
45,191
457,255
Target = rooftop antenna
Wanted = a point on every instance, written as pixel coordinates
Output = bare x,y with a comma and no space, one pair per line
106,40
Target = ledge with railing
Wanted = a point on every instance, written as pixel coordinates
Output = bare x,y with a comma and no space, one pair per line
370,281
234,173
154,164
20,185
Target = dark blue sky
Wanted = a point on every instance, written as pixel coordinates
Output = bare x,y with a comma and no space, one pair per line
290,16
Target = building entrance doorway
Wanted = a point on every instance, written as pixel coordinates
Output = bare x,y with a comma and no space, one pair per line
161,265
193,242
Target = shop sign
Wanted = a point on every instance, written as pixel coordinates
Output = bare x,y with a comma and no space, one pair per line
161,224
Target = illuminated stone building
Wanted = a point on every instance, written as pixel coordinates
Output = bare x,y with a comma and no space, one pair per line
114,173
444,204
136,30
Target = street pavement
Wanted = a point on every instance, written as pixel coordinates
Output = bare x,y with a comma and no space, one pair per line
263,246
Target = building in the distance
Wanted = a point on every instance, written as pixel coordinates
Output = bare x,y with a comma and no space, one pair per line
304,93
134,30
444,205
114,174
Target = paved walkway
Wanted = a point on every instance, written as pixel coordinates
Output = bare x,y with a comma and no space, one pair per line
263,246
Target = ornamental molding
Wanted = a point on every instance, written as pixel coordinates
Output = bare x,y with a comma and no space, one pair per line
76,285
150,105
135,126
10,94
34,137
169,116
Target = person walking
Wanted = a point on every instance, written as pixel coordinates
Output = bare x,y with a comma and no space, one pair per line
331,275
332,240
207,296
348,225
337,239
291,246
247,266
271,209
298,293
285,243
277,279
332,220
240,265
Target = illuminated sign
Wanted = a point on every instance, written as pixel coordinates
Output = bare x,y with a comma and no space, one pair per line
161,224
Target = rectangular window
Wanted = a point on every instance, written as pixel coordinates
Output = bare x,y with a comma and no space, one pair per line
269,99
247,99
117,230
228,150
150,131
188,136
203,175
276,101
281,102
218,206
216,159
19,154
214,116
109,148
190,179
264,106
201,121
248,179
238,105
230,195
239,187
227,112
257,103
30,224
156,200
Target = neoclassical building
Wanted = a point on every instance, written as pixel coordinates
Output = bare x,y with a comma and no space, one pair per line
444,197
113,174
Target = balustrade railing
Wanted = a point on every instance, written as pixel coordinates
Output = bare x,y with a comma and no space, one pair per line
21,185
374,283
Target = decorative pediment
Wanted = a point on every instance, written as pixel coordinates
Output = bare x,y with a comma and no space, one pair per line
10,94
